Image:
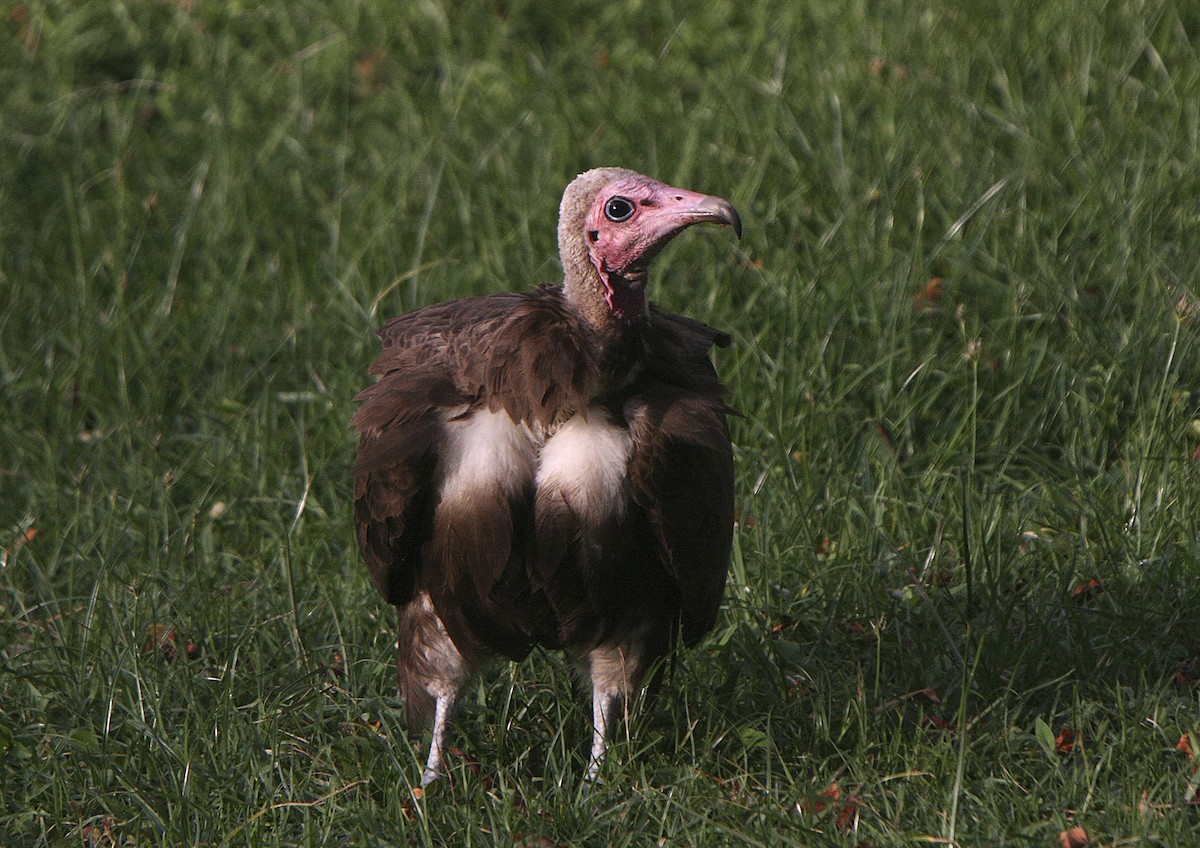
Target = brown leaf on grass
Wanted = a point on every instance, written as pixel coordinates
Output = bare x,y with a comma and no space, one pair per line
928,298
903,452
164,640
336,664
747,520
928,694
367,68
847,815
1186,674
937,722
472,764
846,811
886,434
1065,741
1088,591
18,543
833,793
1185,745
1075,837
99,833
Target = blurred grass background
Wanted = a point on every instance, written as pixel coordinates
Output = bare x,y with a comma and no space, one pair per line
967,347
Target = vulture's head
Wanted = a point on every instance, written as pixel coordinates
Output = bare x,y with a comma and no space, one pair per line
611,225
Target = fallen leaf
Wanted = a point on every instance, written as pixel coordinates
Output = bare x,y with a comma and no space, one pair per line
1186,674
99,833
368,66
1075,837
832,793
928,298
336,664
472,764
846,810
21,541
165,640
161,638
1085,592
847,815
1065,741
1185,745
936,721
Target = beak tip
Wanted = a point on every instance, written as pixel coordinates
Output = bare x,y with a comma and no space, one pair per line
726,214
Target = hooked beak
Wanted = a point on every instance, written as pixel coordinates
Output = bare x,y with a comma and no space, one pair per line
718,210
690,207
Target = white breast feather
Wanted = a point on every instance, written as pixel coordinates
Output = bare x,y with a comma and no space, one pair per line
483,451
585,462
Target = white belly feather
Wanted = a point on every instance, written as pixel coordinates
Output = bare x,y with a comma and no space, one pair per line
584,461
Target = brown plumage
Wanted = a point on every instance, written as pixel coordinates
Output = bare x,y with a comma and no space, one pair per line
551,467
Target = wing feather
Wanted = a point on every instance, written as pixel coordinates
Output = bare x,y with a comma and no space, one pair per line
681,472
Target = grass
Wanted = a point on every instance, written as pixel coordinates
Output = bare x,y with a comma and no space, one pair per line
967,324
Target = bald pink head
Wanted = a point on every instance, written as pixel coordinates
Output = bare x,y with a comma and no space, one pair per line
630,219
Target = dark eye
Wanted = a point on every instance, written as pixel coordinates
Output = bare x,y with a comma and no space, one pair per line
618,209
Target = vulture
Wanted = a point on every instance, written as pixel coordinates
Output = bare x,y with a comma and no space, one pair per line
551,467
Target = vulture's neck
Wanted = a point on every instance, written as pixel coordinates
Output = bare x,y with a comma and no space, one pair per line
583,290
584,295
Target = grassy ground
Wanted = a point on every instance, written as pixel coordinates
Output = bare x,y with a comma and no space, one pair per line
967,324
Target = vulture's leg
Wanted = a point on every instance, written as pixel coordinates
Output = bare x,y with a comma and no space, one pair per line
431,671
443,714
616,671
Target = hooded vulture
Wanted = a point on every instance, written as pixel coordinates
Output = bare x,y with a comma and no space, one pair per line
551,467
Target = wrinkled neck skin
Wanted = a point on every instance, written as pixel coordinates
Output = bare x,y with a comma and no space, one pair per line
610,315
584,289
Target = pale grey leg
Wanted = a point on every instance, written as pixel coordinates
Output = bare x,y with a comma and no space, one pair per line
602,706
441,726
615,672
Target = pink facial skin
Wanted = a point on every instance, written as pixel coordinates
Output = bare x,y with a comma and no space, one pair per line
631,220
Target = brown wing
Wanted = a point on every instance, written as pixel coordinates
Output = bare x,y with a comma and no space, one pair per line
681,472
516,352
401,425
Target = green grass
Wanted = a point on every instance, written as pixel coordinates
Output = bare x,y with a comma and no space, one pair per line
207,206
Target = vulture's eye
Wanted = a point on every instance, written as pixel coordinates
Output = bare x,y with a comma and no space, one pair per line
618,209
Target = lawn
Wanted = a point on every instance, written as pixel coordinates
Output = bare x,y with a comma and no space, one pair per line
964,603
